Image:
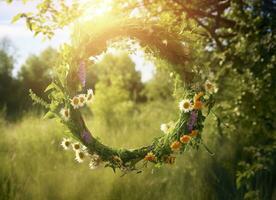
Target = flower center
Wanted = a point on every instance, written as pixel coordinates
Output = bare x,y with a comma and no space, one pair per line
67,143
66,113
76,146
186,105
82,99
75,101
81,155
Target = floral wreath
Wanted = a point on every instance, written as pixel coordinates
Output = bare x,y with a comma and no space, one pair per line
68,94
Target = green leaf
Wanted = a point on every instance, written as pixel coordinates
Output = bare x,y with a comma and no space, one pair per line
17,17
52,86
49,115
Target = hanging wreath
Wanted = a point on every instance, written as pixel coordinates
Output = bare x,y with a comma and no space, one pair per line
68,94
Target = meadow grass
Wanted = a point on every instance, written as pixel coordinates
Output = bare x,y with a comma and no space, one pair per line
34,165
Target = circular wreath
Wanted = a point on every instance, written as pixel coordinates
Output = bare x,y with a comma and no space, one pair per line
68,94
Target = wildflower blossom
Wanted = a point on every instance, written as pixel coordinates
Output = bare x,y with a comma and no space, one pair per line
65,143
95,161
185,105
192,120
80,155
89,95
198,96
75,102
193,133
76,146
82,100
197,105
65,113
210,87
82,73
86,136
150,157
175,145
165,128
185,138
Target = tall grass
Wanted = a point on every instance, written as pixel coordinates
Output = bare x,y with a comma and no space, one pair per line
34,166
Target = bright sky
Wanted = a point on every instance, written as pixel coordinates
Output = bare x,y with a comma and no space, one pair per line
26,44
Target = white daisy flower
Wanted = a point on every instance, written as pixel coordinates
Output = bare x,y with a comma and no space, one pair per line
185,105
65,113
80,155
165,128
76,146
210,87
89,95
65,143
82,99
95,161
83,148
75,102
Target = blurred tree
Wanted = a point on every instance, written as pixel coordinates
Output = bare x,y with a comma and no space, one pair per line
36,73
119,86
160,87
120,70
9,87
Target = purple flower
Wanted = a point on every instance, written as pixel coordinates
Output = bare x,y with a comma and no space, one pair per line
192,120
82,73
86,136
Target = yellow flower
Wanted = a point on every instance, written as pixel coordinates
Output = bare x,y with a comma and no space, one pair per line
193,133
198,96
185,138
150,157
175,145
198,105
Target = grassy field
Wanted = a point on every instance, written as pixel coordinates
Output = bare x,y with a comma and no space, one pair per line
34,166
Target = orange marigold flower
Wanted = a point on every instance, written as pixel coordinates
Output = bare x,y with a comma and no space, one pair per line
198,105
198,96
193,133
150,157
169,159
185,138
175,145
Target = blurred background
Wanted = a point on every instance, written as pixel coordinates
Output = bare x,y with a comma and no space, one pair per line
133,97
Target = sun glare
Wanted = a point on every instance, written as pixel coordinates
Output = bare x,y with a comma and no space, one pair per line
95,8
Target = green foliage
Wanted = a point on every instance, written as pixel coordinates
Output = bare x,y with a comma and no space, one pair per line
235,40
111,100
56,14
119,71
161,85
9,87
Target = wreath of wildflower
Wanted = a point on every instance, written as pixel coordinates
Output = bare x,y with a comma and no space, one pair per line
68,95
